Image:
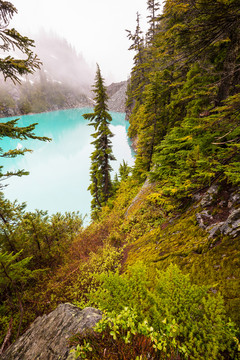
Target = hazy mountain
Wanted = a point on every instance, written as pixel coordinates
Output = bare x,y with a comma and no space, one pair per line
62,63
64,80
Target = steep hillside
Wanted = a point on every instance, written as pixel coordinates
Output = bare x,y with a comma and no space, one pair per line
62,63
201,236
64,81
203,239
115,262
39,96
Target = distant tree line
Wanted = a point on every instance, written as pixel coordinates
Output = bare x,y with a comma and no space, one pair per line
42,95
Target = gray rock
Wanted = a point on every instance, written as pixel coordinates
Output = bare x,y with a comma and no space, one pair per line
117,96
235,215
215,229
226,221
229,227
47,337
234,199
209,196
202,217
232,225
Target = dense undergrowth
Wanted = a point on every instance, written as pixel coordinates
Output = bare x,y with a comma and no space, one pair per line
159,314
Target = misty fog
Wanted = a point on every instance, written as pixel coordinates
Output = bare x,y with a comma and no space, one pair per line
62,63
63,81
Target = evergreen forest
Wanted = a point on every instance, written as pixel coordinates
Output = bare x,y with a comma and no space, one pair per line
161,256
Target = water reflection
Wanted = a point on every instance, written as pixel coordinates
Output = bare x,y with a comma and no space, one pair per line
59,170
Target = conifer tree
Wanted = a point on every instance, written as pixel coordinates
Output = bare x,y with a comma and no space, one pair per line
14,274
185,119
11,130
10,40
137,81
153,7
13,69
154,123
203,145
101,186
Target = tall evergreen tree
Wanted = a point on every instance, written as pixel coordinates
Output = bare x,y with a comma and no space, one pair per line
100,119
137,81
185,119
153,7
203,145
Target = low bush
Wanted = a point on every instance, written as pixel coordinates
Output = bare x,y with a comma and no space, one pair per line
166,300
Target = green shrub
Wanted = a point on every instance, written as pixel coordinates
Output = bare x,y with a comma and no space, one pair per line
115,292
123,336
169,297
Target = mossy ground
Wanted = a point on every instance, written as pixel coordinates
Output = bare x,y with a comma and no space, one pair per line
158,237
214,262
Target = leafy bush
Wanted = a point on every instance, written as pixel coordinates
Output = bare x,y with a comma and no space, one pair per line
168,297
123,336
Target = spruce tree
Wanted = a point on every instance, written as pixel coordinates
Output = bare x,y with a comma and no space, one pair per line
202,140
185,119
101,186
137,80
153,7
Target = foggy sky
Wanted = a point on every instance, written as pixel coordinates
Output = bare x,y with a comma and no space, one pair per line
95,28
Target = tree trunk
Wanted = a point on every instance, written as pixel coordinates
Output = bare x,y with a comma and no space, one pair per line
7,337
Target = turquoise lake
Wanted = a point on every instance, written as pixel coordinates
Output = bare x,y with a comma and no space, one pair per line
59,170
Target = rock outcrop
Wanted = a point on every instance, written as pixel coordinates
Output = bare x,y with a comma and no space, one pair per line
117,96
47,337
220,217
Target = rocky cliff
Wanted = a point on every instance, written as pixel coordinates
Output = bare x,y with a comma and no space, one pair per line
117,96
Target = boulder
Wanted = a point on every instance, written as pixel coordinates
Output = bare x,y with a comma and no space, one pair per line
47,338
226,220
232,225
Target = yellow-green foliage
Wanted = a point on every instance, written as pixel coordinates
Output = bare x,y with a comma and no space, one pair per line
214,262
141,215
153,229
73,281
164,298
122,335
139,226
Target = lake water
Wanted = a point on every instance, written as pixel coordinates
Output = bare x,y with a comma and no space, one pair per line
59,170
